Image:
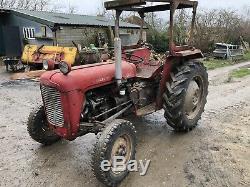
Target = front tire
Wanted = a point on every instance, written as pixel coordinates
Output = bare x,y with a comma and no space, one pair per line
117,139
186,95
38,128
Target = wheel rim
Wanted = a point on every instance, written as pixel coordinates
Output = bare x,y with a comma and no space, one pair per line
122,147
193,98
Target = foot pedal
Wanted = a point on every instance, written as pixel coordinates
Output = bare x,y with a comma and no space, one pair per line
149,109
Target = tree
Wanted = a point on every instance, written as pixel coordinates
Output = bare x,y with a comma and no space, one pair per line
26,4
181,27
216,26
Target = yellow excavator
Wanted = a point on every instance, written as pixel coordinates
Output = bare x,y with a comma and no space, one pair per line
44,58
48,56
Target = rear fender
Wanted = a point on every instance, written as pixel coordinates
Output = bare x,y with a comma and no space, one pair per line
171,61
167,68
188,54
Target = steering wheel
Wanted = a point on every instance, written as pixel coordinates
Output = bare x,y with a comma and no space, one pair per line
133,58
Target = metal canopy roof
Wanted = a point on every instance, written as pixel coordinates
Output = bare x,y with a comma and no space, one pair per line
143,5
52,18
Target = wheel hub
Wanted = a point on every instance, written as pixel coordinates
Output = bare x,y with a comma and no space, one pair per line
192,99
121,151
122,147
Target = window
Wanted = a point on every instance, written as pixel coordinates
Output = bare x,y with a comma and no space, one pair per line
44,31
28,33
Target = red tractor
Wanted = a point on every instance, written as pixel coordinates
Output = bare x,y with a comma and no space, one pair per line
90,98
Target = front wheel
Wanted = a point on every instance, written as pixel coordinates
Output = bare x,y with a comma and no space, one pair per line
38,128
186,95
117,140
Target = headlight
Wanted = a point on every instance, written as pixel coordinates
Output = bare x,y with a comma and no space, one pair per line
45,65
64,67
48,65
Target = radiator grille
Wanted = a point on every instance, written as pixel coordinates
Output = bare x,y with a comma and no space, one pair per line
53,106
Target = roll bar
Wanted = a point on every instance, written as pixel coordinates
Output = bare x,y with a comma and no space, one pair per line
142,7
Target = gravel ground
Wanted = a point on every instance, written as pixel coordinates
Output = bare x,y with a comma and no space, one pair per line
216,153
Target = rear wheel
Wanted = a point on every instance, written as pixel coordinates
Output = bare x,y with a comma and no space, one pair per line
38,128
185,96
117,139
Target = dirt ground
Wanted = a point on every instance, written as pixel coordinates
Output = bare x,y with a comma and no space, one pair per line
216,153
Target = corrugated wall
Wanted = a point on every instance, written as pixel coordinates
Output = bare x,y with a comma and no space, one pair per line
88,35
83,35
14,20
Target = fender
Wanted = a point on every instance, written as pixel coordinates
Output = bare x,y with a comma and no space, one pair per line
167,68
173,60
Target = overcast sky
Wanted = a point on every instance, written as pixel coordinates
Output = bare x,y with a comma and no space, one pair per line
92,6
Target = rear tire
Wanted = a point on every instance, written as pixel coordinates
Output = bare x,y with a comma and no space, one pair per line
186,95
117,139
38,128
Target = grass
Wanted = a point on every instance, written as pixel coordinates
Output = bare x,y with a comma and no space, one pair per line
239,73
216,63
247,56
212,63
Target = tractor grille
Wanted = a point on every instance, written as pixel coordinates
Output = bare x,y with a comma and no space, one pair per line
53,106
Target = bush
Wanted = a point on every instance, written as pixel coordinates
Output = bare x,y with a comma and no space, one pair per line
159,40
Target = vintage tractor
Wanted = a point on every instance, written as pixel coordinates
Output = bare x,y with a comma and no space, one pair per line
90,98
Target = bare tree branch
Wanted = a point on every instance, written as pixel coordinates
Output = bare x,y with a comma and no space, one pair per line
25,4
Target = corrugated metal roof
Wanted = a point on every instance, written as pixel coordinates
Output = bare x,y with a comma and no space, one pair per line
71,19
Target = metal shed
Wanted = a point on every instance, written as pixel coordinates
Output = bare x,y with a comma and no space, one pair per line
39,27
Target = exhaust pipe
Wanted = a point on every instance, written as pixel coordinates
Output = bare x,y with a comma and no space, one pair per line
118,60
118,50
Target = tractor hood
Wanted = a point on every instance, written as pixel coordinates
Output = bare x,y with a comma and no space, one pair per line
86,77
